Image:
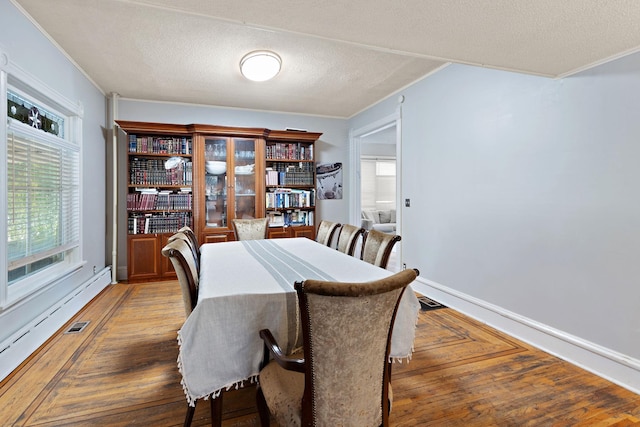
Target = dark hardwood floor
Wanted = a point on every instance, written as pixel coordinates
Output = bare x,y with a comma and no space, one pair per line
121,371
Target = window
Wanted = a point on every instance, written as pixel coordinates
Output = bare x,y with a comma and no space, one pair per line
378,183
42,191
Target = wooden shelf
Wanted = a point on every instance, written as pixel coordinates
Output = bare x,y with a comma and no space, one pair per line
239,148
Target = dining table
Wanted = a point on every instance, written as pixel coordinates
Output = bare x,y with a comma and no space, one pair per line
246,286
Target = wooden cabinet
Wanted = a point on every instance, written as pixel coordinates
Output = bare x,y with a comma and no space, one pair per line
229,169
292,231
144,259
290,183
204,176
159,198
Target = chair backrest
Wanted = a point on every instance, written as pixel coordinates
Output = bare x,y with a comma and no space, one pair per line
194,249
347,336
326,230
192,237
250,229
181,256
348,237
377,247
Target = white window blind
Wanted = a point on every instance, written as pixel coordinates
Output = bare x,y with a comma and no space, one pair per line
377,183
368,184
43,206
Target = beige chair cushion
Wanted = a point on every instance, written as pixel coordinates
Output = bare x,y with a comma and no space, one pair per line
251,229
179,252
347,237
326,229
377,246
283,393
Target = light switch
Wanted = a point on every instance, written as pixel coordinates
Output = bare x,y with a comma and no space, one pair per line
407,203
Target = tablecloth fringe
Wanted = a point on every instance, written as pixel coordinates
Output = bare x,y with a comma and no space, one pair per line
402,359
191,401
407,357
235,385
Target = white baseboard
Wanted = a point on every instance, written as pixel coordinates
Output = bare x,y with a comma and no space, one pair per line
606,363
17,348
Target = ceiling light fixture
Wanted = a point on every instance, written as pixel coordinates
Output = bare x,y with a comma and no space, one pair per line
260,65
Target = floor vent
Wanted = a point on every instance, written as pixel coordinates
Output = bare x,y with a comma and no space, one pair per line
76,328
429,304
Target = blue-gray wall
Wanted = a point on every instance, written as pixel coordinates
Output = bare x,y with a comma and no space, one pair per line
26,47
525,194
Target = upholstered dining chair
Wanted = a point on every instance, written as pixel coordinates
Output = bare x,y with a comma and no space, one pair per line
178,250
348,237
194,240
326,230
195,251
250,229
344,376
377,246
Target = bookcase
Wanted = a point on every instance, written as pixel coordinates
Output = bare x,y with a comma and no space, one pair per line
229,179
159,198
204,176
290,183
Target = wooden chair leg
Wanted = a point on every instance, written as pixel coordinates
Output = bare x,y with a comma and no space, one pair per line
189,417
263,409
216,410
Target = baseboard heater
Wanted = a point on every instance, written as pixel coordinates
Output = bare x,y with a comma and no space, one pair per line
17,348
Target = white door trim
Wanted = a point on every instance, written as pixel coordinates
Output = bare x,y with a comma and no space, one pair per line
355,141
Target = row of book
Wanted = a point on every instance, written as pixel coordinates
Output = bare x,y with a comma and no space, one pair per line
160,145
288,167
159,223
289,178
290,175
289,151
159,201
290,218
153,172
284,198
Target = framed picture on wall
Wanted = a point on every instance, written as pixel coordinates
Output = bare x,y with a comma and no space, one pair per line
329,181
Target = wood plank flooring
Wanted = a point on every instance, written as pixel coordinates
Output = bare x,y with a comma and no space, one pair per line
121,371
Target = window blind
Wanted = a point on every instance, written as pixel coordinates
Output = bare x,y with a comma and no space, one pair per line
43,205
377,184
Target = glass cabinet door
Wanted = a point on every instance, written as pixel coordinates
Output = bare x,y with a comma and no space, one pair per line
216,181
244,160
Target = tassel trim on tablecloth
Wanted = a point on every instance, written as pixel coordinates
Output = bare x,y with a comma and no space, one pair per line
407,357
191,400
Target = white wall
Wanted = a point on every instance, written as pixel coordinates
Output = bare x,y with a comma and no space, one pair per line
525,196
26,48
331,147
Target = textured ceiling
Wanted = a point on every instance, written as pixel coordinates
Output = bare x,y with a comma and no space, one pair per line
338,57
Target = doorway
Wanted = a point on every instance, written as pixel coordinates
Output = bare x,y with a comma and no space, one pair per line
375,177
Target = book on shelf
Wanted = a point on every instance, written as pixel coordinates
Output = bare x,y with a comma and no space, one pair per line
271,177
144,171
289,151
296,217
290,218
164,200
160,145
281,173
283,198
152,223
276,219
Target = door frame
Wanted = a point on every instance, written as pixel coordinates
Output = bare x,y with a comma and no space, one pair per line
356,137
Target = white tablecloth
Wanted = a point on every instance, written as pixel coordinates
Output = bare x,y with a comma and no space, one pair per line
248,286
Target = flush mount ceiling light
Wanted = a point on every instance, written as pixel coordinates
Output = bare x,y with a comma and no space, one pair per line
260,65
